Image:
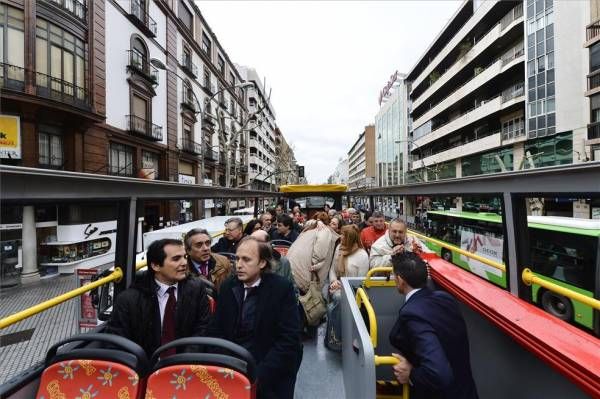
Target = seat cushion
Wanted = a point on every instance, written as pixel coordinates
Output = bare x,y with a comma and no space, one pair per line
81,378
198,381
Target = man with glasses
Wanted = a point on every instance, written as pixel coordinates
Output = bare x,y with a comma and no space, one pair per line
232,236
202,262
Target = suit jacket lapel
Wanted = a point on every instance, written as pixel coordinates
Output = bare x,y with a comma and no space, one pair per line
263,296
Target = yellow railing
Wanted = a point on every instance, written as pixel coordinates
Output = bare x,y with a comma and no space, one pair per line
530,277
461,251
363,299
369,282
116,276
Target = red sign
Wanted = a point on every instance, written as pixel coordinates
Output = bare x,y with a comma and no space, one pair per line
87,316
384,92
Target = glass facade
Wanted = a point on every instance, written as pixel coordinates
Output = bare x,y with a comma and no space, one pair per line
549,151
541,108
488,162
390,130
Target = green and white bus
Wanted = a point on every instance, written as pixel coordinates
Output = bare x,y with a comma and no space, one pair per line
564,251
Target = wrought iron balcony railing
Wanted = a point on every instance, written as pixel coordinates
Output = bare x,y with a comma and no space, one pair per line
188,100
188,66
141,65
210,154
61,90
12,77
139,16
143,128
592,31
76,8
188,145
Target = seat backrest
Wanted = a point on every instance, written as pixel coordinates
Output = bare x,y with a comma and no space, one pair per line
281,246
200,374
78,371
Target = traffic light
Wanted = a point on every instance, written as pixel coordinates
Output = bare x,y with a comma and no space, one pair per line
300,171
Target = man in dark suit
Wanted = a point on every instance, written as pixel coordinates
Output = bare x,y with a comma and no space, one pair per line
259,311
164,303
431,335
234,231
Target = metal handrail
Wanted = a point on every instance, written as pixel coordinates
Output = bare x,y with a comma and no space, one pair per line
115,276
529,278
494,264
363,299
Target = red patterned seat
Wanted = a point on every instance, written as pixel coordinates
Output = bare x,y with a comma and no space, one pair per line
203,375
84,372
281,246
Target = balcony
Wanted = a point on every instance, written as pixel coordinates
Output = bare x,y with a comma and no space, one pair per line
76,8
188,66
140,65
210,154
593,131
191,146
140,18
209,87
488,142
61,90
592,33
12,77
143,128
188,100
593,82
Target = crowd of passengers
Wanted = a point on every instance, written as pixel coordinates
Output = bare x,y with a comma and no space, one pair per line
243,290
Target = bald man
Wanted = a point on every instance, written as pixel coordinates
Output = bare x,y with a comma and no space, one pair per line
281,264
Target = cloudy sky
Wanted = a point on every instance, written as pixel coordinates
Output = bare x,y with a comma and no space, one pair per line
325,62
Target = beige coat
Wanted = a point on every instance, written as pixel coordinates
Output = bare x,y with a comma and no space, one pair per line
314,247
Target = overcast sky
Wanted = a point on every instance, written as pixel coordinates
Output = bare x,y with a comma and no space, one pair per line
325,62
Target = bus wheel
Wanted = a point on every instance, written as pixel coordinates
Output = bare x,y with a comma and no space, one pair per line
446,255
557,305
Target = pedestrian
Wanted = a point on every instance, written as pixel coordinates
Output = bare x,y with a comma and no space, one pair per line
163,304
431,335
259,311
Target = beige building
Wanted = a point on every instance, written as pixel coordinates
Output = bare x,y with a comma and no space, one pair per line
361,160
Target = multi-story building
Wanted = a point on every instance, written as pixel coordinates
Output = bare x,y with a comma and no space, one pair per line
361,160
340,174
286,167
262,144
501,88
593,80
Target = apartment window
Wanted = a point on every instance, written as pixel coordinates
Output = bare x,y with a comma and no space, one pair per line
206,43
139,106
120,160
231,105
60,56
231,79
595,107
187,56
187,131
541,64
50,147
206,78
513,128
185,16
221,64
150,165
12,40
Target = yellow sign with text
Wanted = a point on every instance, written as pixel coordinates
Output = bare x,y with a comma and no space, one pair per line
10,137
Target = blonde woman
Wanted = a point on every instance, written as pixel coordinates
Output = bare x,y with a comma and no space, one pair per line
351,260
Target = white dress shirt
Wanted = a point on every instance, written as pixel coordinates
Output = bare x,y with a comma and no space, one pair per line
411,293
255,284
163,297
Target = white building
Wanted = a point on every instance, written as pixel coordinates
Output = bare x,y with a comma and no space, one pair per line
340,174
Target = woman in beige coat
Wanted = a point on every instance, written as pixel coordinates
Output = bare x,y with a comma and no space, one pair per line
313,251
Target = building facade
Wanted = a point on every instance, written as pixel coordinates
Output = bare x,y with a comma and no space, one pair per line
262,134
340,174
361,160
592,43
501,88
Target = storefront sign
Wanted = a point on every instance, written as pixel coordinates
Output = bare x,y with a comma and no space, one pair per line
185,179
10,137
386,90
87,316
208,203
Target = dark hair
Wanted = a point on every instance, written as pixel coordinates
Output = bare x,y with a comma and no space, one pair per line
236,220
264,250
377,215
286,220
188,237
156,251
411,268
250,226
368,214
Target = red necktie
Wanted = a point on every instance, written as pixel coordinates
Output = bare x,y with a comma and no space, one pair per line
168,325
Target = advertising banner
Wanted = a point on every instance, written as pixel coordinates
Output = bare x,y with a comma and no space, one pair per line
87,316
485,246
10,137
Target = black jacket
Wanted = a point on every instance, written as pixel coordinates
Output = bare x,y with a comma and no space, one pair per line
225,245
291,237
136,315
277,346
432,335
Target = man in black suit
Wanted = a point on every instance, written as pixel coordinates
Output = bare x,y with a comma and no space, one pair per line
162,304
259,311
431,335
234,231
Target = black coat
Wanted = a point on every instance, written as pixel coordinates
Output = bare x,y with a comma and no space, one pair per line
225,245
136,315
431,333
277,346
